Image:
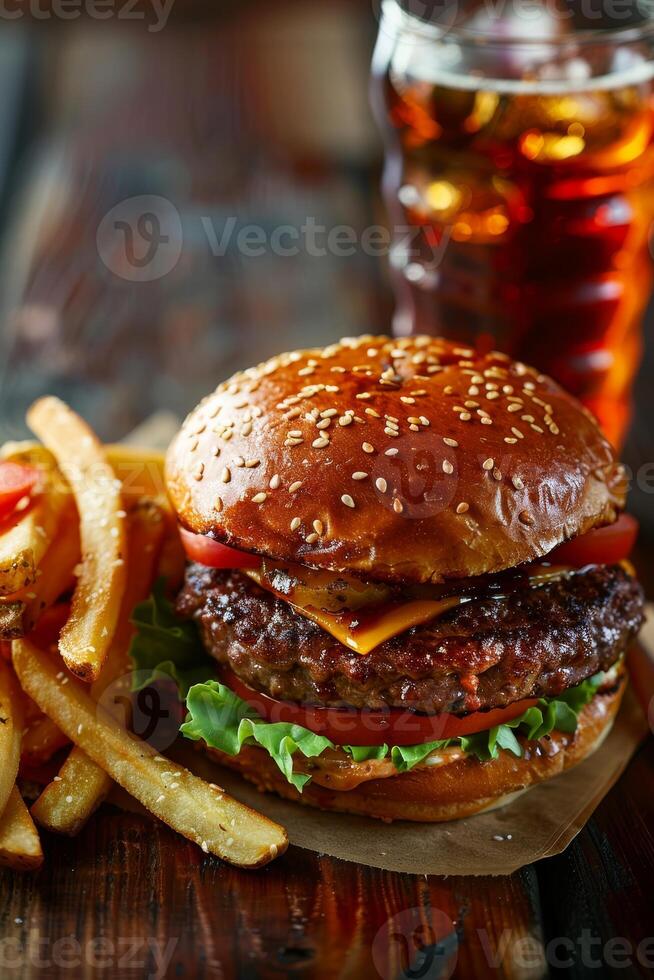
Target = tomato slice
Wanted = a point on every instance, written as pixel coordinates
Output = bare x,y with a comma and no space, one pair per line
206,551
603,546
353,726
16,481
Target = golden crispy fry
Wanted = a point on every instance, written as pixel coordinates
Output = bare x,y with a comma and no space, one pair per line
57,808
11,619
25,541
20,847
87,636
141,472
56,573
11,723
64,806
41,740
198,811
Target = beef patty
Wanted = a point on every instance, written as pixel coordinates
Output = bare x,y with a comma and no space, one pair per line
484,654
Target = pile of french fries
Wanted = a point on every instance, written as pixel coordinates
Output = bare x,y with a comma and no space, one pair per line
74,562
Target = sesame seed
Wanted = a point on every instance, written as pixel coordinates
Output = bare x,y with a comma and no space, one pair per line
391,432
373,413
398,506
364,395
246,429
329,413
274,482
537,428
218,504
450,442
320,443
318,527
295,523
407,400
517,432
198,473
295,486
292,413
311,538
226,475
462,507
347,500
323,424
381,484
239,461
259,498
510,440
517,483
345,420
486,420
295,434
497,474
391,452
447,466
465,416
359,475
492,395
367,448
488,464
526,517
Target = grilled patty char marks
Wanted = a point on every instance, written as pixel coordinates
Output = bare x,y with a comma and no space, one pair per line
485,654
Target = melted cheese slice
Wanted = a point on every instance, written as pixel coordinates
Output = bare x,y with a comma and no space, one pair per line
363,630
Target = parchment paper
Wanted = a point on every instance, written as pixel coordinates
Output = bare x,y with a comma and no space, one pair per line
538,824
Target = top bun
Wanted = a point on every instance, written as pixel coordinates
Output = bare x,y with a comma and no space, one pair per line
411,460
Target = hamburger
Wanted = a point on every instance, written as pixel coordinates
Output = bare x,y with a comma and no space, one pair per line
408,568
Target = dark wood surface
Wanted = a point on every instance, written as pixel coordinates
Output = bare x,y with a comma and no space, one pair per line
128,898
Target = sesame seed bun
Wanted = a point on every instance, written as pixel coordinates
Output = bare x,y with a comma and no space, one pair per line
461,788
409,460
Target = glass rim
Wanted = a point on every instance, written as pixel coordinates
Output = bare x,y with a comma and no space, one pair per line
627,34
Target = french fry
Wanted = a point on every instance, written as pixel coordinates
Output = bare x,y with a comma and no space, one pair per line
87,636
41,740
57,808
198,811
11,619
57,571
140,471
20,846
65,805
25,541
11,722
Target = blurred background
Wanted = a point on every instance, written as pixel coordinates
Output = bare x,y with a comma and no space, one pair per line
190,134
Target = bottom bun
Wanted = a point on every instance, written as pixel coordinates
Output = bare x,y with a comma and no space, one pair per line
446,792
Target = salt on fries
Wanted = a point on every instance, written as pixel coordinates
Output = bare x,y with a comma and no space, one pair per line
87,636
20,847
200,812
67,803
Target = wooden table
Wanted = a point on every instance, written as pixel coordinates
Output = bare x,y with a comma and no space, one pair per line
128,895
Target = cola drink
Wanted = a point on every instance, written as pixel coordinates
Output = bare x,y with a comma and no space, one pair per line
519,182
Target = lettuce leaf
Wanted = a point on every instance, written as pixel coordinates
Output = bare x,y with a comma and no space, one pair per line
166,646
222,720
